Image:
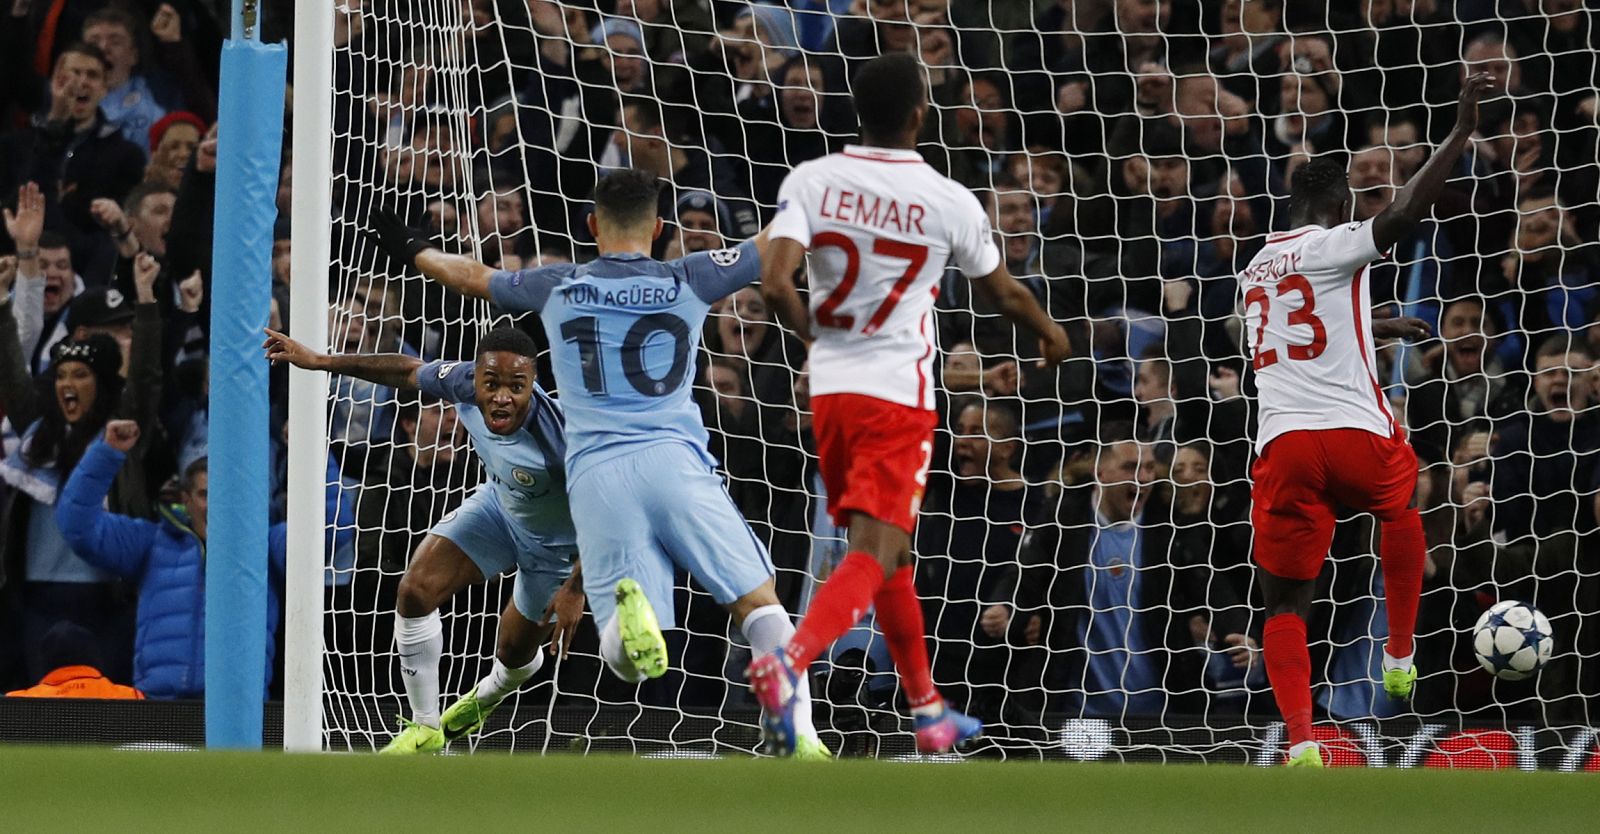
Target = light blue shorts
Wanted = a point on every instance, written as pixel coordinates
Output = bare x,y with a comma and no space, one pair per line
641,515
496,543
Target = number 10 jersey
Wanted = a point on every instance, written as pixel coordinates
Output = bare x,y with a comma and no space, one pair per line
624,331
880,225
1308,320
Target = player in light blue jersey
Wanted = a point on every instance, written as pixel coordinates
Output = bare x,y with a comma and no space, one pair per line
518,518
645,493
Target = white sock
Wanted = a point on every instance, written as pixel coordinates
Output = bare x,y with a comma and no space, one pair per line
1304,745
768,628
502,681
1396,662
614,655
420,642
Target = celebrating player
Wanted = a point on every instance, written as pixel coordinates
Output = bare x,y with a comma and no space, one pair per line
880,225
644,488
519,518
1327,437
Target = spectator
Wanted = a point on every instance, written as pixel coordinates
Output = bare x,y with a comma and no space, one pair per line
1103,556
173,141
69,652
700,215
1455,383
46,287
1545,454
968,538
72,151
136,98
1550,278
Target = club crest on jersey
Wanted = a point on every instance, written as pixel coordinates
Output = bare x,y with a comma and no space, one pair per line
522,476
725,257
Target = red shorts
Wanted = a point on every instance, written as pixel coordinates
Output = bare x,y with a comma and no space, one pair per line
1302,476
875,456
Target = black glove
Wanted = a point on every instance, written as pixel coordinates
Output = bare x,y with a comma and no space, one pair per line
397,240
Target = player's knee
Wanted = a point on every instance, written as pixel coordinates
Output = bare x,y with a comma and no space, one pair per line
516,653
417,596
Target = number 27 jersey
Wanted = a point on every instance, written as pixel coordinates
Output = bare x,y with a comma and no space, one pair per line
880,225
1308,320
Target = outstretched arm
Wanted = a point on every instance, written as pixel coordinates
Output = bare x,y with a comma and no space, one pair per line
779,263
394,370
1416,198
408,246
1015,302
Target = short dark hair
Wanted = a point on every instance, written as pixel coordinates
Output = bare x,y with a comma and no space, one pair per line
192,471
510,340
87,49
117,15
139,193
1560,344
886,92
53,240
1319,182
627,197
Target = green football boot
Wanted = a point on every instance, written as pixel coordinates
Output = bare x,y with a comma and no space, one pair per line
414,739
811,749
641,634
1309,757
1399,682
465,716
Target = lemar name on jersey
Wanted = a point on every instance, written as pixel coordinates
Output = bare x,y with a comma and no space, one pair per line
871,212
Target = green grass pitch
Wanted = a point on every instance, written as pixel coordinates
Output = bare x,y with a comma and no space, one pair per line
95,789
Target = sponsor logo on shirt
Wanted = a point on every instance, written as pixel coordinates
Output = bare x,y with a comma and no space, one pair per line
725,257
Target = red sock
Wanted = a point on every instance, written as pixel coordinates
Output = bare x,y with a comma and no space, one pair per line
840,603
1289,670
1403,550
900,619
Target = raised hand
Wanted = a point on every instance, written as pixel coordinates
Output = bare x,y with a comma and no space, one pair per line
191,292
145,270
1472,92
109,215
166,25
27,222
205,156
122,435
389,232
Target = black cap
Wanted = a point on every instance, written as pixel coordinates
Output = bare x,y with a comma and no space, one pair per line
101,306
69,644
99,351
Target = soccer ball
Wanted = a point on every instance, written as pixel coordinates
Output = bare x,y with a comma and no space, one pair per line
1512,640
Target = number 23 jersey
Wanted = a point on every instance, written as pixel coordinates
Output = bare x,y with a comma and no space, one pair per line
624,331
1308,321
880,225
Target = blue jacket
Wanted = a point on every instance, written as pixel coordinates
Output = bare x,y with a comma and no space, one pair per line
167,560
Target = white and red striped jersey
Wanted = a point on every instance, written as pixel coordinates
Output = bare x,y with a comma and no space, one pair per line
880,225
1308,320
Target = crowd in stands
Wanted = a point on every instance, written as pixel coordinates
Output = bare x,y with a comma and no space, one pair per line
1084,542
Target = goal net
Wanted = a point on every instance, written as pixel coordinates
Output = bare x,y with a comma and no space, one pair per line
1084,546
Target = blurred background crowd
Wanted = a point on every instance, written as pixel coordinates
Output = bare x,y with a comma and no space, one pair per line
1085,541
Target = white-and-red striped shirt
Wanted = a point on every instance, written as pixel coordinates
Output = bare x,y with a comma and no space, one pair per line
1308,321
880,225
